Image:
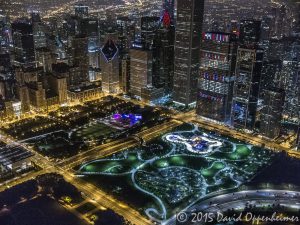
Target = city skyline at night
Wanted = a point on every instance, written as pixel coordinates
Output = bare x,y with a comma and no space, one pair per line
138,112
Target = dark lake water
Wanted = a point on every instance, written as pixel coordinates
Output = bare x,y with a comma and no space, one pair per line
284,170
39,211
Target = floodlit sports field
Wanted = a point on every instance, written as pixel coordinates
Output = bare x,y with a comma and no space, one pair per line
176,170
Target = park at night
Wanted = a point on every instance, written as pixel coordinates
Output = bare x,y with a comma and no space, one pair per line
174,171
161,112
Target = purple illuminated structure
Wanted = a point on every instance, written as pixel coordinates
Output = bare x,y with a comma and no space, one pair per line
130,119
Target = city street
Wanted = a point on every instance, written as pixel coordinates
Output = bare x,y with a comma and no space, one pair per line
65,168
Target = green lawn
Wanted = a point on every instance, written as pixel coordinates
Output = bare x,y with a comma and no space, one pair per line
94,130
211,171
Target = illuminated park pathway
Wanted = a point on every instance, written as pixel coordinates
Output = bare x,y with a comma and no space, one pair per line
189,182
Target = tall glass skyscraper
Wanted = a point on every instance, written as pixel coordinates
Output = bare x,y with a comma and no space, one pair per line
217,67
246,87
187,49
271,113
250,32
247,76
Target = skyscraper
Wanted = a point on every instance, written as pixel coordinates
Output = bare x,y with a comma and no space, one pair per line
149,25
126,27
80,57
5,33
247,76
187,49
271,114
250,32
246,87
271,75
217,68
266,26
163,55
81,10
169,6
280,21
22,33
37,95
39,34
58,85
125,74
110,67
23,95
140,70
44,58
291,81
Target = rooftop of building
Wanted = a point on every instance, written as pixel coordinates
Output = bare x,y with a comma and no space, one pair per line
60,68
32,69
84,88
56,75
50,94
34,85
13,154
43,49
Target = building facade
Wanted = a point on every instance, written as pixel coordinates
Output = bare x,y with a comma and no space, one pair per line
149,25
110,67
246,87
217,68
271,114
140,70
80,58
291,81
163,68
187,49
22,35
125,74
58,84
250,32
